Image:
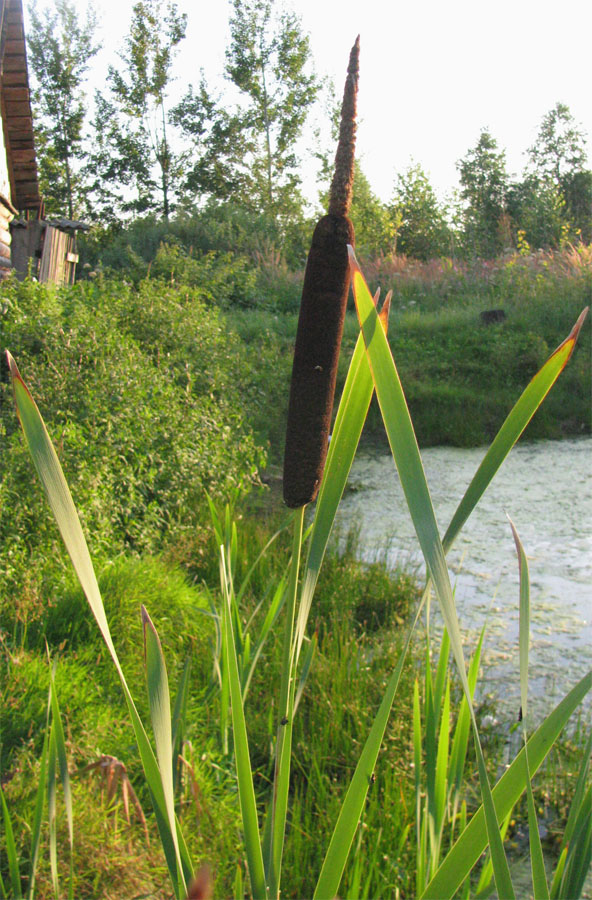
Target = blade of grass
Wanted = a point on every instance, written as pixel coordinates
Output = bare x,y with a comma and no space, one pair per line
178,720
406,455
441,776
420,856
580,851
61,503
460,741
51,810
10,846
241,748
351,809
576,805
537,862
281,781
160,712
473,840
39,805
60,742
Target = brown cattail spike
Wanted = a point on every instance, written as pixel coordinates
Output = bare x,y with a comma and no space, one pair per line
320,325
343,175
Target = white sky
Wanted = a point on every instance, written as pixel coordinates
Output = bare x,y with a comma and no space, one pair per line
432,74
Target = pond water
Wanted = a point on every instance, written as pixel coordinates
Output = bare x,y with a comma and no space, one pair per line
546,489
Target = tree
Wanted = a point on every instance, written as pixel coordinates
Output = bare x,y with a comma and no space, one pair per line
133,147
560,147
484,184
216,145
267,60
375,233
422,230
537,210
60,48
557,162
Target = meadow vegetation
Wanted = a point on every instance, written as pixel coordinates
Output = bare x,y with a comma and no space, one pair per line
169,382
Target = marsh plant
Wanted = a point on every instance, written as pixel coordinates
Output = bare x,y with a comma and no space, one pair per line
443,865
448,842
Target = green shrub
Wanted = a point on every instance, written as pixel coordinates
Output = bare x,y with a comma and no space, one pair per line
141,391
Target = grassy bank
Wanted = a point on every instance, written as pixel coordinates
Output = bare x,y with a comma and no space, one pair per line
358,615
154,396
359,619
460,375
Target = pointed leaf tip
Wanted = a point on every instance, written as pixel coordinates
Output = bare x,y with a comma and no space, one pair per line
577,327
573,335
12,366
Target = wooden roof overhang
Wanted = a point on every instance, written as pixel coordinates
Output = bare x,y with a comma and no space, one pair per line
17,119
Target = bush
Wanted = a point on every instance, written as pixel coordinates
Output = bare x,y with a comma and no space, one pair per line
141,392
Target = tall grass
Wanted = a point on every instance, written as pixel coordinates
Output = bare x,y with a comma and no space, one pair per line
440,871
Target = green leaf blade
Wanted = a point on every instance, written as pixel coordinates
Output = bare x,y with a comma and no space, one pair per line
473,841
160,713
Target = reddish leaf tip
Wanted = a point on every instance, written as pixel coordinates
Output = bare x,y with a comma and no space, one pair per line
573,335
383,315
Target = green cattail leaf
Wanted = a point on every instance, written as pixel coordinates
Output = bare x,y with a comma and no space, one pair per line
460,741
52,810
347,430
406,455
442,765
579,854
275,835
577,804
517,420
473,840
61,503
417,746
62,761
39,805
537,861
160,712
524,627
539,878
181,700
10,847
241,746
351,809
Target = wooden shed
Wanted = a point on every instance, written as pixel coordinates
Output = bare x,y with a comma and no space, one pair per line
28,243
45,249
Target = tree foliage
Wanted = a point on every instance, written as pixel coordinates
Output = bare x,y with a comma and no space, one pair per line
134,154
236,155
559,150
374,229
419,218
484,185
60,49
268,60
557,164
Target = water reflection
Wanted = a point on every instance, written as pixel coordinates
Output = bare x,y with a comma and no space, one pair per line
546,488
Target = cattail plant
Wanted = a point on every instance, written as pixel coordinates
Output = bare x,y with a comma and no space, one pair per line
322,313
372,369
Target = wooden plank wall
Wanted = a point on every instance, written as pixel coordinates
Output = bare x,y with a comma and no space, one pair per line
6,214
17,118
56,265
